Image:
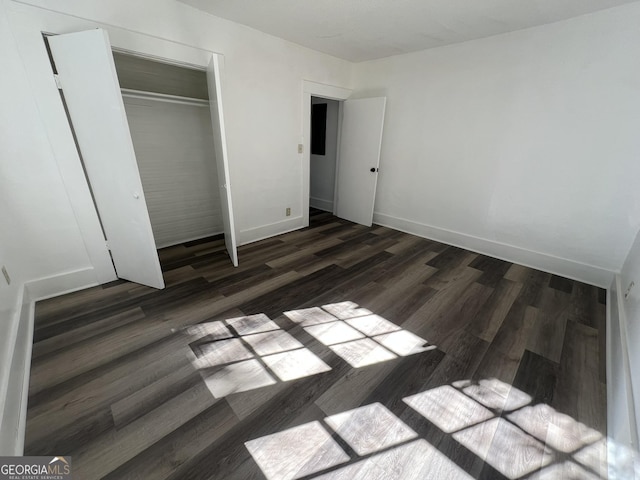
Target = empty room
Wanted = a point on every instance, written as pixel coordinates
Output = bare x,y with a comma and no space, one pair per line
320,240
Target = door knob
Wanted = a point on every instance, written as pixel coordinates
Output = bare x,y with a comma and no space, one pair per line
373,169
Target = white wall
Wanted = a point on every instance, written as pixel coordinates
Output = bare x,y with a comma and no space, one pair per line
323,167
523,145
35,211
39,236
262,78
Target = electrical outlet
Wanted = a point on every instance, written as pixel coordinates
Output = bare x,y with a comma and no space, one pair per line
6,275
288,212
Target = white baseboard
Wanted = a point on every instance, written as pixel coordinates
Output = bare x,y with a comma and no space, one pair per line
14,379
14,421
47,287
623,455
321,204
12,320
540,261
271,230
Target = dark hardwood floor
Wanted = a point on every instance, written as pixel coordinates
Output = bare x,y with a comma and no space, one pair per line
333,352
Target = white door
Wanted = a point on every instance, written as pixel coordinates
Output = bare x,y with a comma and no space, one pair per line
359,158
222,160
91,91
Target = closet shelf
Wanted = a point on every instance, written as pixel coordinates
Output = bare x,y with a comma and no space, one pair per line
163,97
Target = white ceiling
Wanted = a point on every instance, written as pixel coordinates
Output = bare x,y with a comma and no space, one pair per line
359,30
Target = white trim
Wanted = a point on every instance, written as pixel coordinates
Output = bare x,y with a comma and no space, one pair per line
582,272
19,378
6,356
61,284
623,455
14,379
321,204
16,382
330,92
158,59
623,344
271,230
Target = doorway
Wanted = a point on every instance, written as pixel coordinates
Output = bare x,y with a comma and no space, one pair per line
359,143
167,108
324,153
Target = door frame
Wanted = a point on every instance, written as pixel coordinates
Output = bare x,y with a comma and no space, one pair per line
28,23
330,92
214,68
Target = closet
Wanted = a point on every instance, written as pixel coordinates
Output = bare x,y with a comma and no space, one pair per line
177,119
167,108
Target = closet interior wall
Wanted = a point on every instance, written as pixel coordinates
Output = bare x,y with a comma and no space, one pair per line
167,110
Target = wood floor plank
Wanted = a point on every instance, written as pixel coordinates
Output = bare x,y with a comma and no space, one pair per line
547,336
455,321
134,382
138,404
58,342
579,391
97,458
491,315
539,387
493,269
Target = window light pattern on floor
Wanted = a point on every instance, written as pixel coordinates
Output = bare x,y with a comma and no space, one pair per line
250,352
491,419
357,335
245,353
499,424
385,448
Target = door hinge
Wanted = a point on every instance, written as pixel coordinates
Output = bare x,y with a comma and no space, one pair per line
57,79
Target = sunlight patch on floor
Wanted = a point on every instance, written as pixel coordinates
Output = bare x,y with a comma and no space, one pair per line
244,353
238,377
490,419
385,449
258,353
358,336
500,425
448,408
296,452
505,447
370,428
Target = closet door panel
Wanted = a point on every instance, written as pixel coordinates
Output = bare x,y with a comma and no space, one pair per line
222,159
92,94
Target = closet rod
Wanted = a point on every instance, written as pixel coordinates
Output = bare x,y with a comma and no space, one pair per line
163,97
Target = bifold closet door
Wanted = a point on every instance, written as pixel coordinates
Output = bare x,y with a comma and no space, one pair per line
86,71
222,160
